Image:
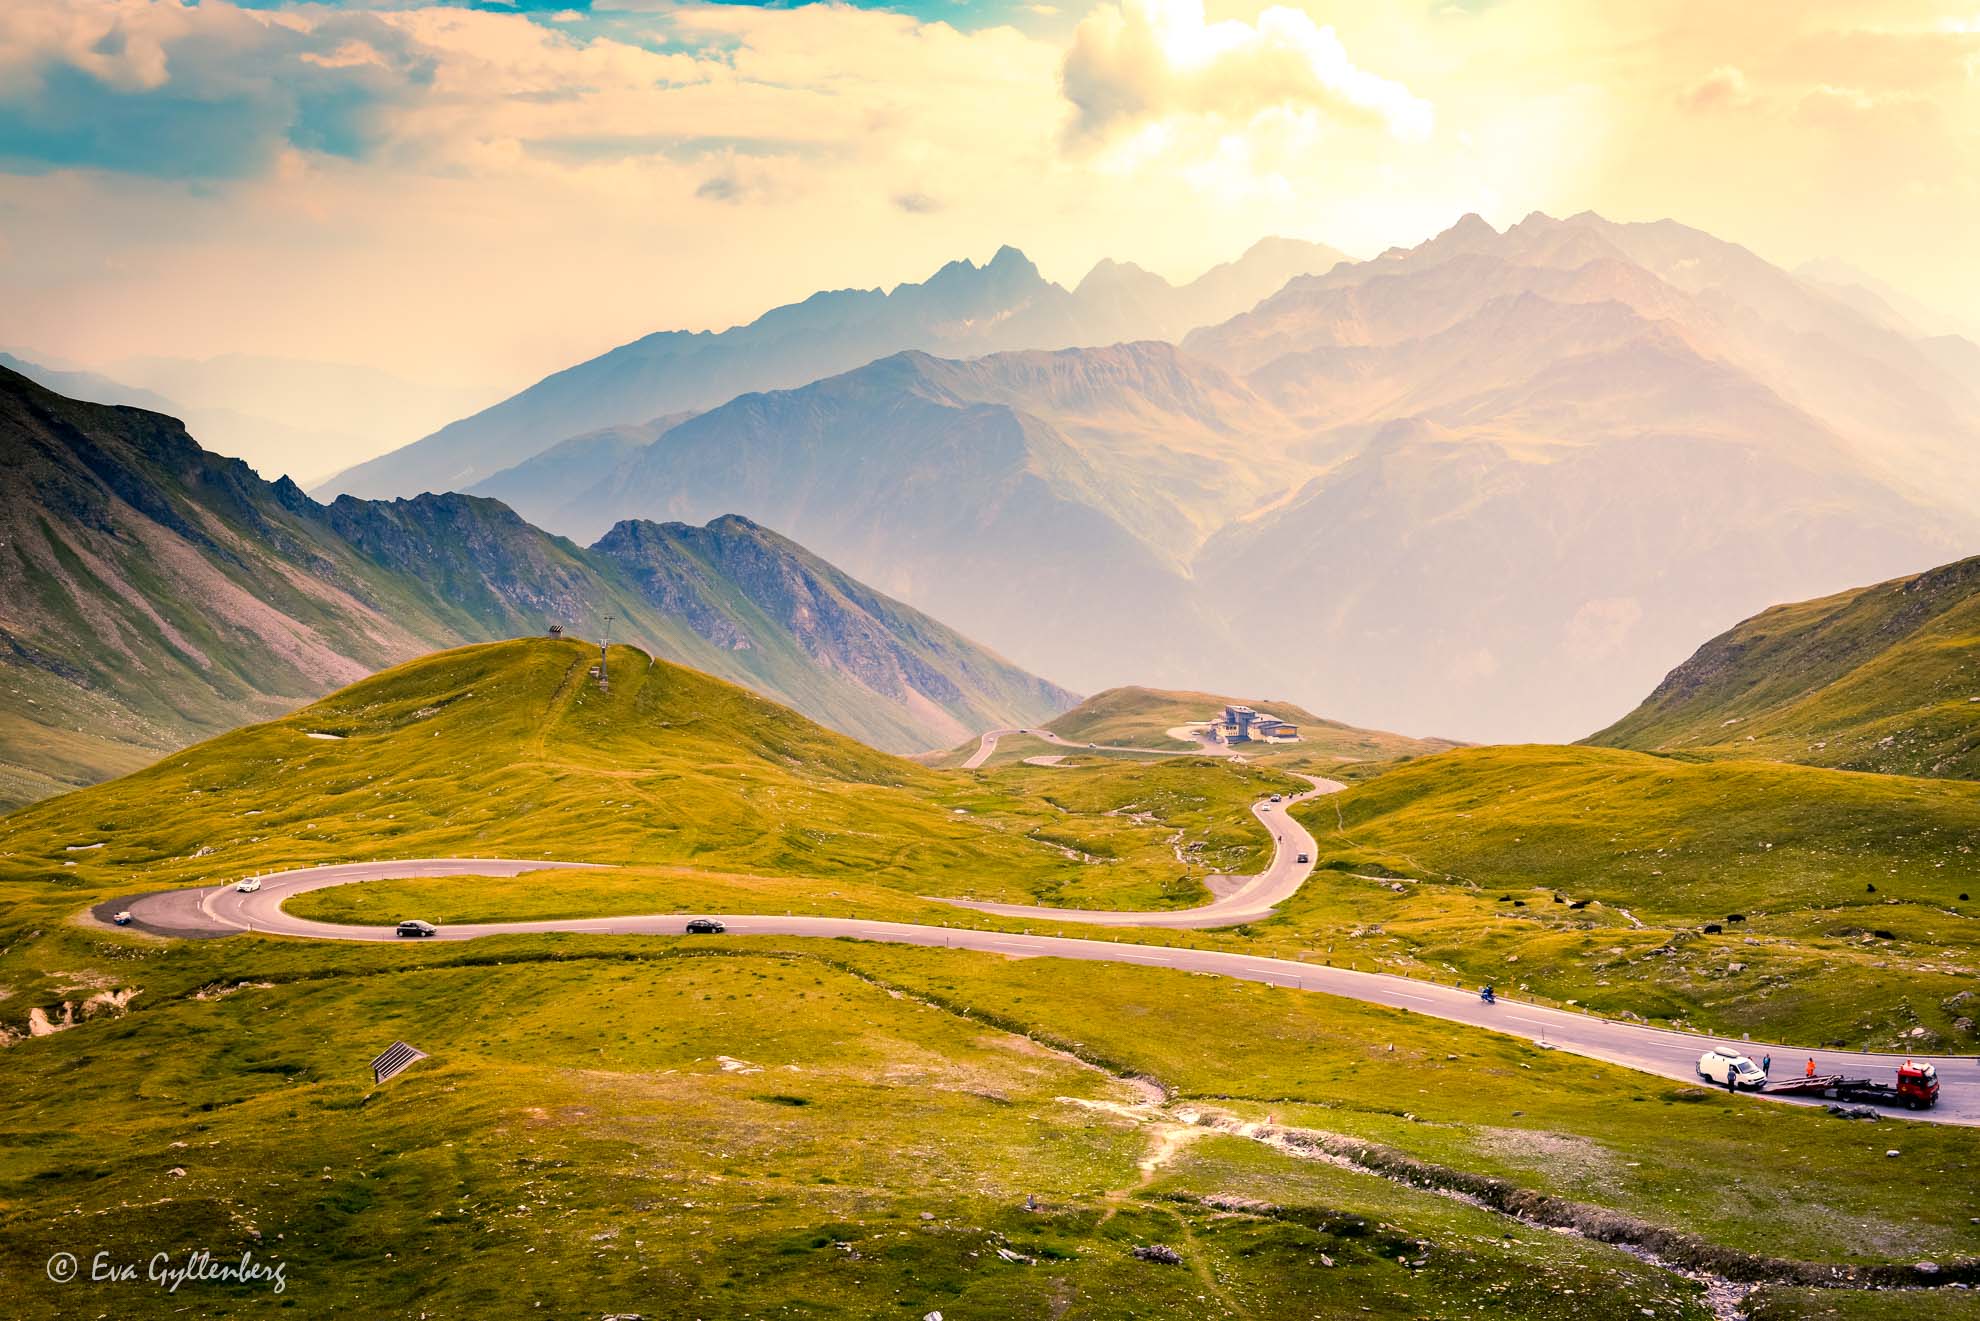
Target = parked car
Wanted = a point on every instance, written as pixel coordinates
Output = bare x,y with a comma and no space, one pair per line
1716,1063
250,885
705,926
122,919
415,927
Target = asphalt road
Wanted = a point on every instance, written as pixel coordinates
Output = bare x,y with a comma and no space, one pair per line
1633,1045
986,747
1251,901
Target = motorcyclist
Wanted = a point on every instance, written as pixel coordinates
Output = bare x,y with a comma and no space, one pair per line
1485,994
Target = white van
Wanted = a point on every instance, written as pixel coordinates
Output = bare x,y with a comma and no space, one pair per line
1716,1063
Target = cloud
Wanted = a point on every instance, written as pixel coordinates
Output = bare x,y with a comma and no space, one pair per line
916,204
193,93
1143,61
1722,89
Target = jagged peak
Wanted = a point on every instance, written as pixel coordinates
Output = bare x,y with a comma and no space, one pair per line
1470,225
1008,257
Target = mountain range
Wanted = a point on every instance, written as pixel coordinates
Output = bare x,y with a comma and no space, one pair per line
153,593
962,310
1492,486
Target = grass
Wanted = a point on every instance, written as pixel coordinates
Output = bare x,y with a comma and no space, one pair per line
607,1123
722,1135
511,748
1837,895
712,800
579,1139
1883,678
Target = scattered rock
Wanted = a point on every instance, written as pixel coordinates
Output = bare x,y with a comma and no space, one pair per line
1162,1254
1927,1268
179,1171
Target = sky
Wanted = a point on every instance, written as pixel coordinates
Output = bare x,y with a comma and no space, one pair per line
479,193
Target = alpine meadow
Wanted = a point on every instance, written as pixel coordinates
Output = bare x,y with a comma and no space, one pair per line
1184,659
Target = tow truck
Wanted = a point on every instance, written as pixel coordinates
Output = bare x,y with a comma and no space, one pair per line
1917,1087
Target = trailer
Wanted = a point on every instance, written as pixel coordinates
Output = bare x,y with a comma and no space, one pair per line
1916,1088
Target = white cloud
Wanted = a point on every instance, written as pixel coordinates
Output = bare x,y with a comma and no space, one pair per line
1143,60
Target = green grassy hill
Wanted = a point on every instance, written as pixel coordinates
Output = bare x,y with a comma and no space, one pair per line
1844,901
512,748
665,1126
1883,678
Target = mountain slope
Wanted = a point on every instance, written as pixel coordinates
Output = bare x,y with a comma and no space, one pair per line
152,593
513,748
1883,678
826,642
1547,460
960,311
540,487
1063,524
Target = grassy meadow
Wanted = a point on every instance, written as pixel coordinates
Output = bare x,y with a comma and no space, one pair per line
656,1126
1842,901
761,1127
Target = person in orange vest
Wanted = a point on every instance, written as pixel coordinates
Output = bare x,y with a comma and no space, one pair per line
1811,1068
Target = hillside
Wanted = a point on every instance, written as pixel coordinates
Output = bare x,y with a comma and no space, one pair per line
1143,716
154,593
959,1130
961,310
509,747
1883,678
1791,902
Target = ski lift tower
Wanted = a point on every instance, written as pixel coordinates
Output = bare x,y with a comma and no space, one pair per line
604,640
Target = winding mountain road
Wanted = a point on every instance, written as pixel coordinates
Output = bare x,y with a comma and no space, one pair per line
986,747
1252,899
1633,1045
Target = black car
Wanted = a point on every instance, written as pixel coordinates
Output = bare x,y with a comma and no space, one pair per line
415,927
705,926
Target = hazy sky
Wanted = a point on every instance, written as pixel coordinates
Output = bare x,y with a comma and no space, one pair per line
484,192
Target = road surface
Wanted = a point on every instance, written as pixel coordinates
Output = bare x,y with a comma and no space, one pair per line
1251,901
1633,1045
986,747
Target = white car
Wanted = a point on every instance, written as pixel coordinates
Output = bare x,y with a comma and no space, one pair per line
250,885
1716,1063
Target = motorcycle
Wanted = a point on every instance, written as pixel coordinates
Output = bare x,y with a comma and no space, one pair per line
1487,996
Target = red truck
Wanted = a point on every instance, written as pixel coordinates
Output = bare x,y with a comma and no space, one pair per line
1917,1087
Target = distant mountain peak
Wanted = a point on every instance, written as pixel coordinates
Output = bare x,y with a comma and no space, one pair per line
1008,257
1006,265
